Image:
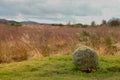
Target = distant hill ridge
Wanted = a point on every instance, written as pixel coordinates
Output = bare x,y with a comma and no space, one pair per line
29,22
5,21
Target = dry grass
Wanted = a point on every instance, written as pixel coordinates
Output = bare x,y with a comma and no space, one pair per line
33,41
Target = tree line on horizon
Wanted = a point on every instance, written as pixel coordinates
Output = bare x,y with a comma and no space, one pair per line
114,22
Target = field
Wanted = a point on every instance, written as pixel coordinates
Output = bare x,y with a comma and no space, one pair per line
35,41
59,40
59,68
44,52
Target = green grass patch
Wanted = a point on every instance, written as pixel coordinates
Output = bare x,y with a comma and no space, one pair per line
59,68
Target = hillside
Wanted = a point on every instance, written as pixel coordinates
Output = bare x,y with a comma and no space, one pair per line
59,68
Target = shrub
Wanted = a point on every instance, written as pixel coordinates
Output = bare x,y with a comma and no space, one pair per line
14,23
12,54
110,45
85,59
93,24
84,36
57,25
104,22
79,25
114,22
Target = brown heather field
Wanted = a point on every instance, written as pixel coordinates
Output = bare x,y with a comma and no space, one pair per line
34,41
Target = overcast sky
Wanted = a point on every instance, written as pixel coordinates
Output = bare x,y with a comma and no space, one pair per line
60,11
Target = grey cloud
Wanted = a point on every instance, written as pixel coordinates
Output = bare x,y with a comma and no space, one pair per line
49,9
38,7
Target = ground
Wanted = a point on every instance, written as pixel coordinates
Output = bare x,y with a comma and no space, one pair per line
59,68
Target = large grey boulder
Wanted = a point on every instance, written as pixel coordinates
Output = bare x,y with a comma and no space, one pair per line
85,59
